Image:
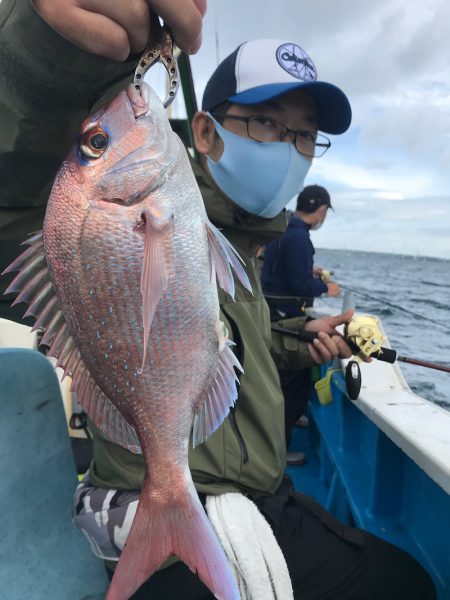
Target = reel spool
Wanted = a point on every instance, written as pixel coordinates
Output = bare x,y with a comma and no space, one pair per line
365,338
325,275
365,335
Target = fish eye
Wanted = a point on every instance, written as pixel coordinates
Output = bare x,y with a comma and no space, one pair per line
94,142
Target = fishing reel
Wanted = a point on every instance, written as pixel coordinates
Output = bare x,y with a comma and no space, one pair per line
325,276
364,336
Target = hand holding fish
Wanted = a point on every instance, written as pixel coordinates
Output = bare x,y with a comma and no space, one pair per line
119,28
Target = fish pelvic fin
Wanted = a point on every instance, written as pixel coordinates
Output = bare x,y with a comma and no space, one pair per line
223,393
223,258
156,266
172,526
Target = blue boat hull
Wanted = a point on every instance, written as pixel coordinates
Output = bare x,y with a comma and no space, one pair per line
357,473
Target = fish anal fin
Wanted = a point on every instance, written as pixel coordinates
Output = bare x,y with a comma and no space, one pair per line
223,259
221,396
104,414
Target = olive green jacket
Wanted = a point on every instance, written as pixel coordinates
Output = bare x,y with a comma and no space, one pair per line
247,453
47,86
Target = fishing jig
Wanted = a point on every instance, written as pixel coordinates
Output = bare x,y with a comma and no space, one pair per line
161,49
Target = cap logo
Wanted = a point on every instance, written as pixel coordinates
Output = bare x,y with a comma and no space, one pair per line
296,62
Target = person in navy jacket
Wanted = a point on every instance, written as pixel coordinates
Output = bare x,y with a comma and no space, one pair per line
288,268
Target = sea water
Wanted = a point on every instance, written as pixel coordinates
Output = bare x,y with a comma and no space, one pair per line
411,295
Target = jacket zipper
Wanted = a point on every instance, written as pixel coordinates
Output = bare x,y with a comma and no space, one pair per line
238,435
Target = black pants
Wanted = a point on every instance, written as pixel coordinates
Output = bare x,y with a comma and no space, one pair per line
296,385
327,560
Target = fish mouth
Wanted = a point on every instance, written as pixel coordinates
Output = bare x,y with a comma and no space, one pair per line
139,99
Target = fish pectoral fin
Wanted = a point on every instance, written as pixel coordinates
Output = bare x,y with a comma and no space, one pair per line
156,266
222,258
222,396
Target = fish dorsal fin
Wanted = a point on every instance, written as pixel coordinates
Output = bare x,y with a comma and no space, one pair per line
222,258
221,396
34,286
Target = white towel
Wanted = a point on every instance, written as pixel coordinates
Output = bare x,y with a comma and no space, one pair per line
251,548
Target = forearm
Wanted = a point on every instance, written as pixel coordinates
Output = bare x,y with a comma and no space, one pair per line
287,351
47,87
306,285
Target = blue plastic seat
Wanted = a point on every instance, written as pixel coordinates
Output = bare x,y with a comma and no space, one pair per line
42,554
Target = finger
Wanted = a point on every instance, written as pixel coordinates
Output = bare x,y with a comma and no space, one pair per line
343,348
322,351
340,319
201,6
330,344
314,354
92,32
133,16
184,19
318,325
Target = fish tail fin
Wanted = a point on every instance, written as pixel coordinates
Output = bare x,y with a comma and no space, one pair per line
179,528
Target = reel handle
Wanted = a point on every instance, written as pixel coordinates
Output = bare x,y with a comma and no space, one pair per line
353,379
386,355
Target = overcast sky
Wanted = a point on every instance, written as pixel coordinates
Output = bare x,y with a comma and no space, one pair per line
389,175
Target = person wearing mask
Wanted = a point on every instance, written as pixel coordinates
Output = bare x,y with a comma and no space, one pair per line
257,134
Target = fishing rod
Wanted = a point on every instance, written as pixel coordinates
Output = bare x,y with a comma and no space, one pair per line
325,276
395,306
365,338
423,363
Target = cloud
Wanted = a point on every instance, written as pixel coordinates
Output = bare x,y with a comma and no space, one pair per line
389,174
393,178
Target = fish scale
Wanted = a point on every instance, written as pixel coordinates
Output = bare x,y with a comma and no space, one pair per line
133,317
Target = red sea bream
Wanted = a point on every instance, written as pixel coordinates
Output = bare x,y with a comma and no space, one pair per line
123,282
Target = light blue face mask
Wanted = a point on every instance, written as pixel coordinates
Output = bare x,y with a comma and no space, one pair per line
260,177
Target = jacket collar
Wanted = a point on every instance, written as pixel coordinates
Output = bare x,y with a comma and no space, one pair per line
298,222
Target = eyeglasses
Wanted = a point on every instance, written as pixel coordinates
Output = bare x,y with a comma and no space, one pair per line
266,129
